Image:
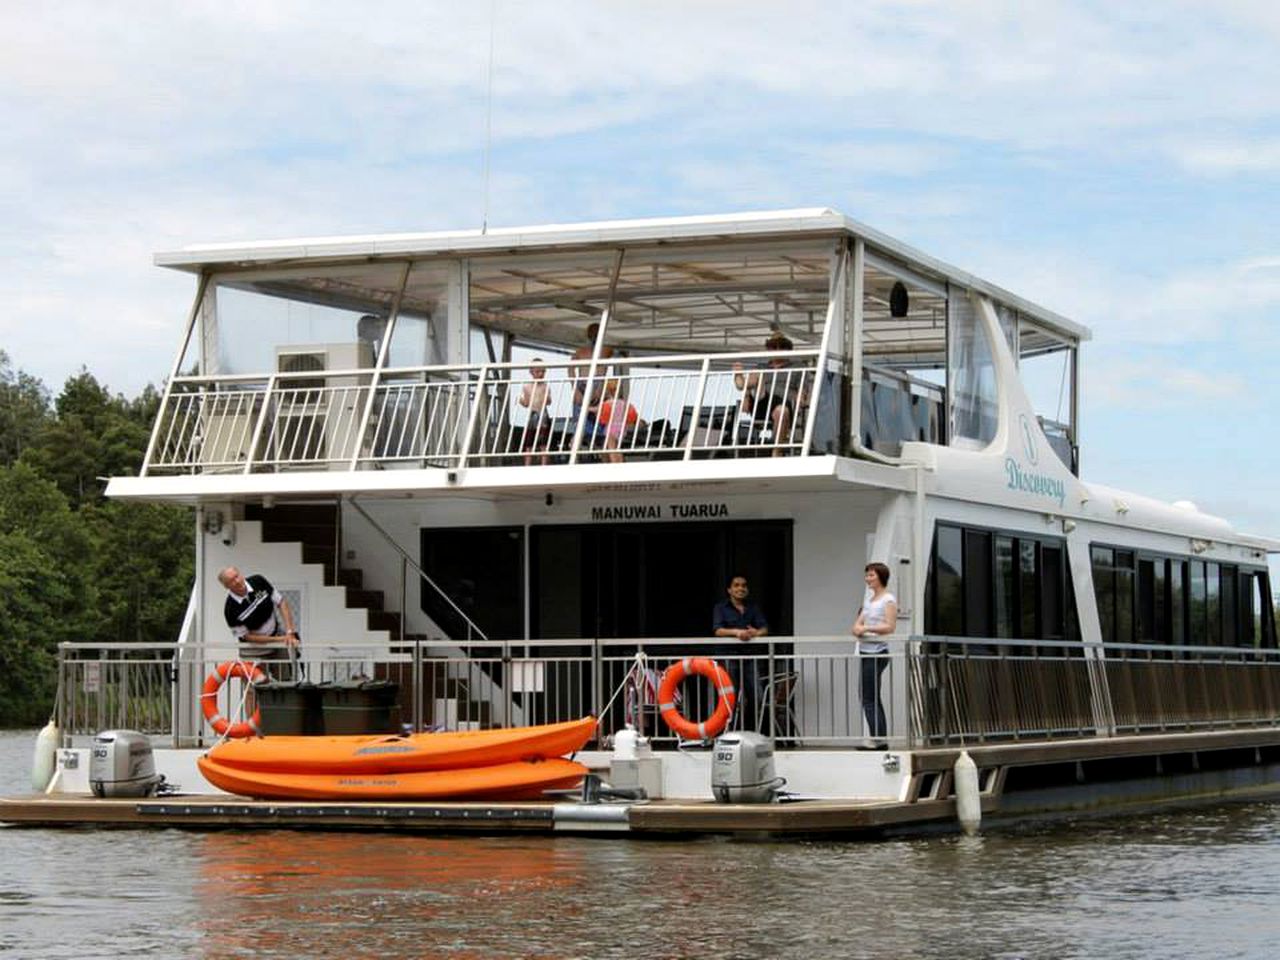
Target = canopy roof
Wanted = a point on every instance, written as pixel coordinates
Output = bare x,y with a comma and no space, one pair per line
708,282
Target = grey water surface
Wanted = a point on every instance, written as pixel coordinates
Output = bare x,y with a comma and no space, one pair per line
1202,883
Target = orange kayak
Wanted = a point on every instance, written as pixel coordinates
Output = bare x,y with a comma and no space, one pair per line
419,752
518,780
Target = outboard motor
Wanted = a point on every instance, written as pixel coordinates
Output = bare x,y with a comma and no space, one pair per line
122,765
742,769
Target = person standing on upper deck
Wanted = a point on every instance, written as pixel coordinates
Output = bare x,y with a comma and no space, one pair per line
877,618
536,397
739,618
581,372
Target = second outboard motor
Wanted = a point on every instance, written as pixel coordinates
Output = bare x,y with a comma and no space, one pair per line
122,765
742,769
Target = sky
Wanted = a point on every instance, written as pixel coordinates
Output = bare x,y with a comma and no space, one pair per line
1116,163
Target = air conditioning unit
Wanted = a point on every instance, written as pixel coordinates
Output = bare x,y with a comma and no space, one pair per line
225,430
317,416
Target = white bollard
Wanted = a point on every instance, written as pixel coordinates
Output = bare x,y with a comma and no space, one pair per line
968,795
44,757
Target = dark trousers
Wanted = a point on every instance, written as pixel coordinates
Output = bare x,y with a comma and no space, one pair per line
872,666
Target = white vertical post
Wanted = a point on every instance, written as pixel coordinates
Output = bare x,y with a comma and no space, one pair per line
378,363
854,320
257,427
474,415
835,301
697,409
174,369
596,349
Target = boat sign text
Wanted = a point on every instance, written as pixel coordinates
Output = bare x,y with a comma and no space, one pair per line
1039,484
658,511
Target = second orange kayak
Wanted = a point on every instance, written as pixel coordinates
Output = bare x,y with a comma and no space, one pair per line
520,780
363,755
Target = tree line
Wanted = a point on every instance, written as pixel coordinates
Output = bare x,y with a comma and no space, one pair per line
75,566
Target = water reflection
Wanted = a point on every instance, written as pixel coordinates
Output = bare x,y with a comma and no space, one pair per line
1190,883
292,894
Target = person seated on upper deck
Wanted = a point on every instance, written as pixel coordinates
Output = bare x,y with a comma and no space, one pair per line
773,394
739,618
617,417
536,397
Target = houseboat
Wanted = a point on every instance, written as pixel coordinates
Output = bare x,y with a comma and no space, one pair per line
508,474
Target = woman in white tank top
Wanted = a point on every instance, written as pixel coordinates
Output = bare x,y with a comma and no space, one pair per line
877,618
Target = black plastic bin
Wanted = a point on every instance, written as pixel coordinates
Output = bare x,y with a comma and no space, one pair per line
359,706
290,708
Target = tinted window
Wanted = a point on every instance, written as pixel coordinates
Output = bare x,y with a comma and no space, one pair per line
1198,604
1052,622
949,562
1027,588
1005,587
1105,591
977,583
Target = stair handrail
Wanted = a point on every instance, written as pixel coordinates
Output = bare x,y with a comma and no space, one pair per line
472,628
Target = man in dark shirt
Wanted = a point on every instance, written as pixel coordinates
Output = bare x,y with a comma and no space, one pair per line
257,613
739,618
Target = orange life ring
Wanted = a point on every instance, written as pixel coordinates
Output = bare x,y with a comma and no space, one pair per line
209,699
726,697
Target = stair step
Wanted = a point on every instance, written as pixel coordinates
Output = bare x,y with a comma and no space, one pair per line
385,620
369,599
308,513
303,533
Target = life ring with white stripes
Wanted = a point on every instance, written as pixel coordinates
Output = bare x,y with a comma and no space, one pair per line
726,697
223,727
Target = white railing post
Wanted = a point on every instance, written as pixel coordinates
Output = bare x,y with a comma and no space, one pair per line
257,427
697,408
474,415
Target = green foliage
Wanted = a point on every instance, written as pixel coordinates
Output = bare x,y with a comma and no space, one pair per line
74,566
24,410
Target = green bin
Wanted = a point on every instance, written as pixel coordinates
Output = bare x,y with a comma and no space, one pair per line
359,706
289,708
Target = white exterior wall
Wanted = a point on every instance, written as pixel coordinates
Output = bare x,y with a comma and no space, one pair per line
830,541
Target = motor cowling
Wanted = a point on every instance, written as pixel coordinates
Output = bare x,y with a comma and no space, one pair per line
742,769
121,764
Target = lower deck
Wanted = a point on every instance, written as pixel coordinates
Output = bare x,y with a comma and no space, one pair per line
1017,781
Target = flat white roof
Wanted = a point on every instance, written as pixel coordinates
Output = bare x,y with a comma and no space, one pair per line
794,223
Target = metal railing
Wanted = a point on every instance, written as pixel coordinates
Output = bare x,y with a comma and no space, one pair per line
806,691
673,407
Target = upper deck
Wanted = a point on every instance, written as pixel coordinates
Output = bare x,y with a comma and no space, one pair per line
305,365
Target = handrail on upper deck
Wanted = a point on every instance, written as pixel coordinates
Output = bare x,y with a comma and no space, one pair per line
455,415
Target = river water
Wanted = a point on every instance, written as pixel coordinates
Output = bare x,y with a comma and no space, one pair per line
1187,884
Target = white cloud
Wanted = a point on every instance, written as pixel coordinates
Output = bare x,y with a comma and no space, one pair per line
1230,158
1133,384
230,120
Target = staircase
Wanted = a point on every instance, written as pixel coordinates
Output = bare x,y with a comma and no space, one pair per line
314,527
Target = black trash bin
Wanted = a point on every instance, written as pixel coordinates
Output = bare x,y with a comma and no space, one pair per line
289,708
359,706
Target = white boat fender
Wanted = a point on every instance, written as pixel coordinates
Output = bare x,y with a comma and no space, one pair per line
968,796
44,757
